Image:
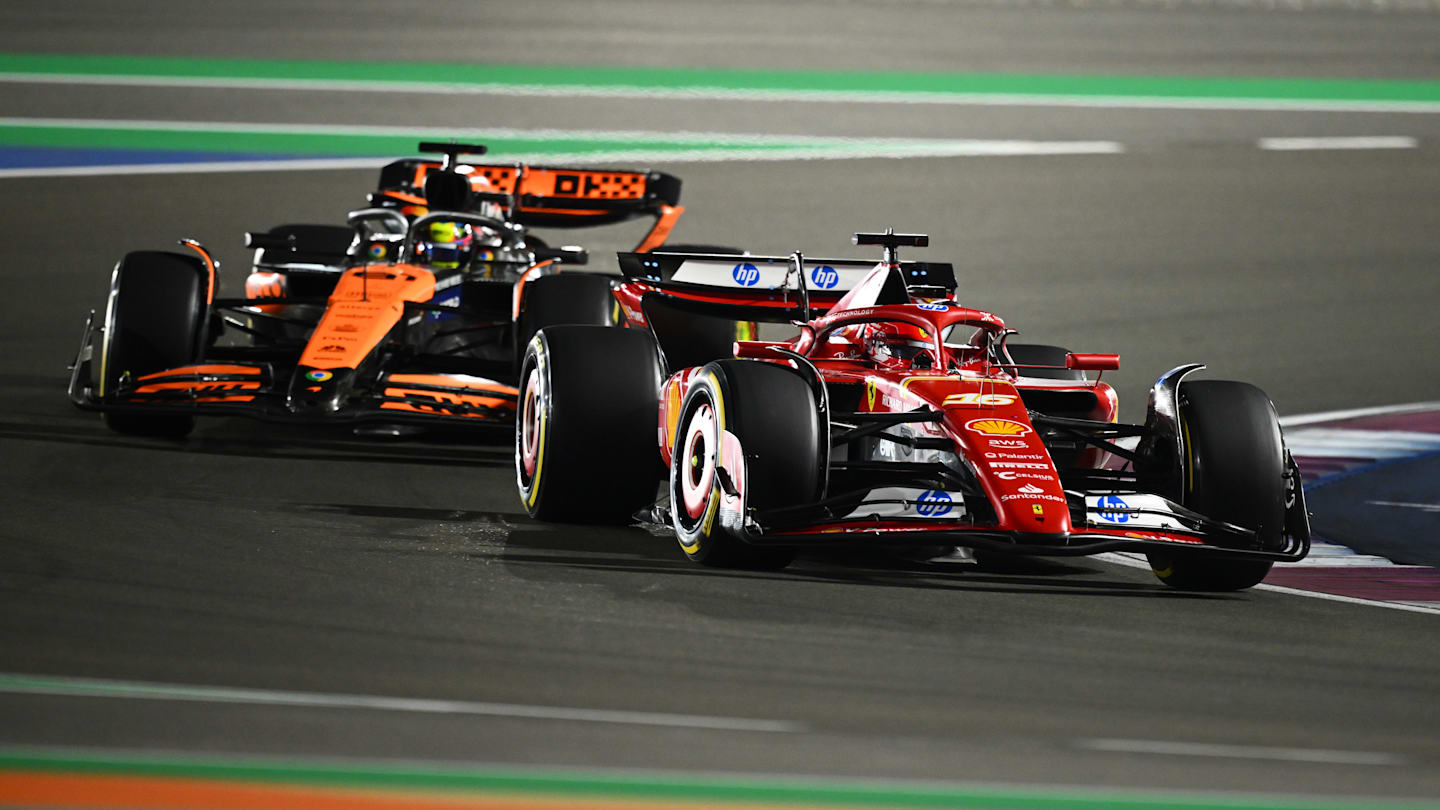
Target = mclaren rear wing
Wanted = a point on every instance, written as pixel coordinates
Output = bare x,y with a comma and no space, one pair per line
544,196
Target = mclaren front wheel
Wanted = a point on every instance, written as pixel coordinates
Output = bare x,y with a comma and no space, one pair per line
155,320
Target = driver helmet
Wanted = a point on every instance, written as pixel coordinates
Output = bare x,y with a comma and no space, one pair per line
900,343
448,244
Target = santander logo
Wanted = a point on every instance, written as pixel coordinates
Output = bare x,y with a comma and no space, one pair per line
1031,489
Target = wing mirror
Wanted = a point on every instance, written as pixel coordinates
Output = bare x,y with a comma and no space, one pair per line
1077,361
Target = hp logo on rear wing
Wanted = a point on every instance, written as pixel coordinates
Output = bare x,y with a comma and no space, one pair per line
745,274
825,277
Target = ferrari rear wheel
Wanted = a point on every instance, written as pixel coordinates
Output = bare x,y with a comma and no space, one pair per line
772,412
1235,472
585,447
155,320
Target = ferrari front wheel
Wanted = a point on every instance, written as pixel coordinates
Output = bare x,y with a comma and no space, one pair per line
1234,472
743,424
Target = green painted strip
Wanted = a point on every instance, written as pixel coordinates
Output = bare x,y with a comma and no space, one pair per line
653,787
340,143
680,78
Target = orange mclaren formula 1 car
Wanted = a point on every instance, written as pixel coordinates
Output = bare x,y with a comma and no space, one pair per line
408,315
896,416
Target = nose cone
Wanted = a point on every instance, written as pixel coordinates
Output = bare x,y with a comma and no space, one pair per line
319,392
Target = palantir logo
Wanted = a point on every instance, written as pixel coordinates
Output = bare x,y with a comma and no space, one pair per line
745,274
825,277
933,503
1109,506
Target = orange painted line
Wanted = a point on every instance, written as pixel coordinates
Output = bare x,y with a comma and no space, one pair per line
201,370
109,792
443,398
451,381
152,388
526,277
209,267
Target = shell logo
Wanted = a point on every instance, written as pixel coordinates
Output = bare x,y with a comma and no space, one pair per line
996,427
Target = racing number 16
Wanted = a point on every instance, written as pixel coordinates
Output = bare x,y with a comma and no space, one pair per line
979,399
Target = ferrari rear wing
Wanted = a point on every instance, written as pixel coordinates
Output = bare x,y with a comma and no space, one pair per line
764,288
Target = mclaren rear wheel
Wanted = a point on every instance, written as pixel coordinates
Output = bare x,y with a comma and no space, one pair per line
773,414
155,320
585,448
564,299
1235,472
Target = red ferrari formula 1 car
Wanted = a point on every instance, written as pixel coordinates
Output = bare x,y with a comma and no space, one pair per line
896,416
410,314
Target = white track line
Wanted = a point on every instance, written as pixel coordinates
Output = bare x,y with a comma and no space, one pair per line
1355,413
735,94
1323,442
139,690
1182,749
197,168
647,156
638,136
642,146
1424,507
1351,142
1129,561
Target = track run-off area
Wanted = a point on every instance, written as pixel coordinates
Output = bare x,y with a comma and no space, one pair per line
284,617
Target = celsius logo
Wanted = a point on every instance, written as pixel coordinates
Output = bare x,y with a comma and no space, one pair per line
745,274
933,503
1109,509
825,277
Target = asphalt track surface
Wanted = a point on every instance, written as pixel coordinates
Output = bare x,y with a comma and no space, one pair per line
311,561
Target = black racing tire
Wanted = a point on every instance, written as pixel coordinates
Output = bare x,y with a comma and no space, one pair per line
1235,472
690,247
772,411
563,299
585,449
155,320
1040,354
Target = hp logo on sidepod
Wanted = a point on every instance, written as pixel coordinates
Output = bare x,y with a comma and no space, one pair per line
745,275
824,277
